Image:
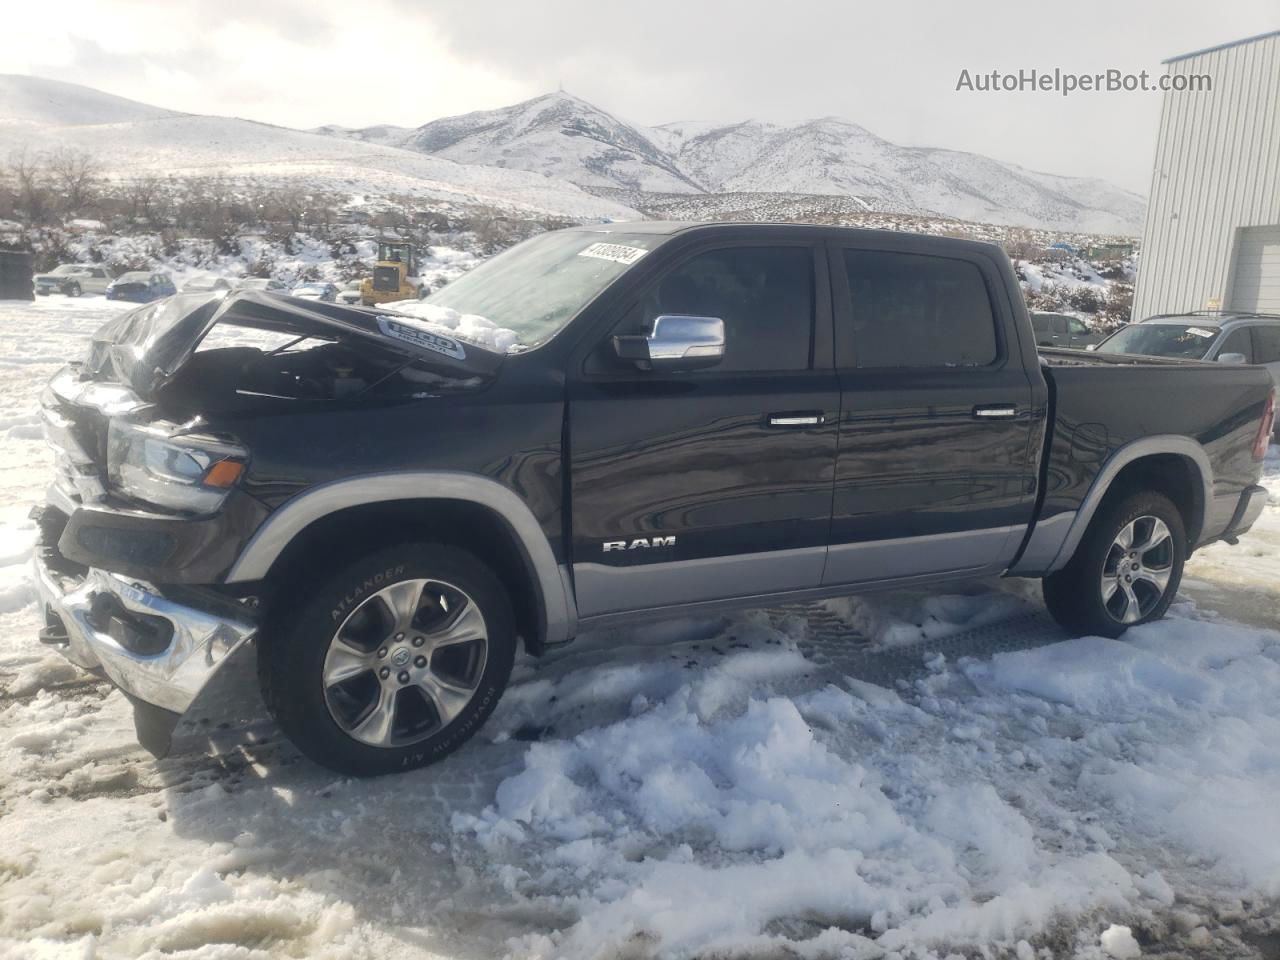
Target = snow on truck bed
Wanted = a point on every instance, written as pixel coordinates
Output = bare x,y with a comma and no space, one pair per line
924,774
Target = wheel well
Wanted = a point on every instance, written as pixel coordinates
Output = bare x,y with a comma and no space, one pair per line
1175,476
346,534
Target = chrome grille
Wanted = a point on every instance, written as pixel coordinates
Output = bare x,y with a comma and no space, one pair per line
76,473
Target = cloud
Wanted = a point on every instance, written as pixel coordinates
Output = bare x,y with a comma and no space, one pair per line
292,63
890,67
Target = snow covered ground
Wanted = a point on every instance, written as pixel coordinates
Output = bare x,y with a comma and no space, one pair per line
904,775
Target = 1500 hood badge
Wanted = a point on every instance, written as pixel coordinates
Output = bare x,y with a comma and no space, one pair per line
640,543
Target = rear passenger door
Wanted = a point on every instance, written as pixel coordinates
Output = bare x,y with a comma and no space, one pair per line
939,431
708,484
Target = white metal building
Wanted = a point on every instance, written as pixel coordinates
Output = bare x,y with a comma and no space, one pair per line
1212,236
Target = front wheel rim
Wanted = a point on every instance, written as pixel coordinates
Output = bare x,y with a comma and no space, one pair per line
405,662
1137,569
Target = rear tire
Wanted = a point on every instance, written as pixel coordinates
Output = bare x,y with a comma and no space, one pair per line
1126,569
392,662
73,290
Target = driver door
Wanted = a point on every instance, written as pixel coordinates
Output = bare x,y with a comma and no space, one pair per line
701,485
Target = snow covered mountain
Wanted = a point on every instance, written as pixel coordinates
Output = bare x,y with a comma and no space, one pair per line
558,135
37,100
130,139
564,136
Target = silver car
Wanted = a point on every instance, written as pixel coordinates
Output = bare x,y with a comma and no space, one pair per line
1222,337
74,279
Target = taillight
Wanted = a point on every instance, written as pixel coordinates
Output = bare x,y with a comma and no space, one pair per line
1264,428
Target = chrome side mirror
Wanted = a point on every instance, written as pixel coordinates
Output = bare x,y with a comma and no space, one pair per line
677,343
1235,359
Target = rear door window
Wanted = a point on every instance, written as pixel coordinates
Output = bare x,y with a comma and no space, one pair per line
1266,344
1238,341
911,310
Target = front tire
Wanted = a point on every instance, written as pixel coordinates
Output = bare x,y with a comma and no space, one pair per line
73,290
1125,571
391,663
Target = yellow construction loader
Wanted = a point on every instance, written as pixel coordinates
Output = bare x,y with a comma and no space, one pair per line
395,275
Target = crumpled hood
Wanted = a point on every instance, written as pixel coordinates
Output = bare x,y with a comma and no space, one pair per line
144,348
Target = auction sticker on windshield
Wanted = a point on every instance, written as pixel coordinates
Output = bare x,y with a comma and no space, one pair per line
617,252
1201,332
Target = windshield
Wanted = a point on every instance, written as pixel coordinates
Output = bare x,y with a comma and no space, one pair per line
1182,341
136,278
310,288
527,294
66,270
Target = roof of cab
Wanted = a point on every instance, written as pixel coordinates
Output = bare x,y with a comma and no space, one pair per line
673,227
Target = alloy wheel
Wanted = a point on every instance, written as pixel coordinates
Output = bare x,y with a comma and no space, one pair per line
405,662
1137,568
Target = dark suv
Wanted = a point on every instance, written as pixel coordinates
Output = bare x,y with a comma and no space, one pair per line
601,425
1064,331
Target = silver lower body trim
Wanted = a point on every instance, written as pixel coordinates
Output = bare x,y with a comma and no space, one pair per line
699,608
1043,553
604,589
955,552
745,579
200,644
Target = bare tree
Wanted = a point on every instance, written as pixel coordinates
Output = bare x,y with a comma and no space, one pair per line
144,196
76,175
291,203
32,196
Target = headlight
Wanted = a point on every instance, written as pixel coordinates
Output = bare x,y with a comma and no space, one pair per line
155,464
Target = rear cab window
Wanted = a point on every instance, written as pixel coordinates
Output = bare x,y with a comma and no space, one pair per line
919,311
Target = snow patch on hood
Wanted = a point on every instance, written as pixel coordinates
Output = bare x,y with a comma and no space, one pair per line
446,321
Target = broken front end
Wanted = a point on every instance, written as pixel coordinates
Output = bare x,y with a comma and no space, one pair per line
154,495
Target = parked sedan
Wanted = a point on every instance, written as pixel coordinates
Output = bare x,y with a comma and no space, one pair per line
316,291
139,286
73,279
207,283
1063,330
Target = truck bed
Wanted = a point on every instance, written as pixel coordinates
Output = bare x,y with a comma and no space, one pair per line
1098,404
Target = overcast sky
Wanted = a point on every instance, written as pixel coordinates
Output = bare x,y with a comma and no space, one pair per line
890,66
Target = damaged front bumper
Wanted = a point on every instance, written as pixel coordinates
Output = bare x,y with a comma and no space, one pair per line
159,650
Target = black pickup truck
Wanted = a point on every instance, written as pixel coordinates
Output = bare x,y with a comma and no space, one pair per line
601,425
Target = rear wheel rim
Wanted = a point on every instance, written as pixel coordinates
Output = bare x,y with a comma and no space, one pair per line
1136,569
405,662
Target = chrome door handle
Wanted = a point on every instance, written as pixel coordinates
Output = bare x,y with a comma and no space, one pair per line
996,411
796,419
